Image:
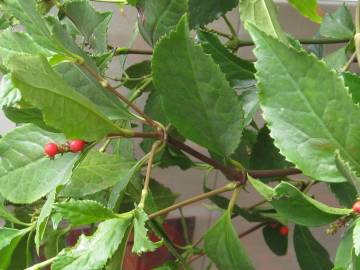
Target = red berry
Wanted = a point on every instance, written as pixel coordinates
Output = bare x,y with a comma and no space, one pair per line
76,145
51,149
284,230
356,207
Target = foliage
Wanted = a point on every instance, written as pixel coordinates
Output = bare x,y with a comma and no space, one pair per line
290,112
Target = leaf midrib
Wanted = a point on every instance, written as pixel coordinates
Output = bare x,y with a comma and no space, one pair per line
308,105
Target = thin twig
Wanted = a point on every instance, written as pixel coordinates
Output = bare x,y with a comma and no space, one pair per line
121,51
197,198
145,189
41,264
349,62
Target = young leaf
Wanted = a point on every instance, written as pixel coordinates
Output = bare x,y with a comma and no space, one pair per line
9,239
338,24
300,109
308,9
63,108
346,171
196,97
83,212
96,172
276,242
94,29
223,246
352,81
297,207
263,14
337,59
235,68
202,12
23,161
159,17
93,252
310,253
141,241
43,218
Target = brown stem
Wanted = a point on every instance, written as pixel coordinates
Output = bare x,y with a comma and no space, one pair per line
197,198
136,134
273,173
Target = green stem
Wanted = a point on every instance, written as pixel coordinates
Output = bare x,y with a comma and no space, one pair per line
233,199
122,51
41,264
203,196
145,189
231,27
348,64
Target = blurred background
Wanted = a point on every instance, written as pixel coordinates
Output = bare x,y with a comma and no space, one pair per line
189,183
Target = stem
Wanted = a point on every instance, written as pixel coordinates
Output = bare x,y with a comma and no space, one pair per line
233,199
145,190
273,173
253,229
121,51
216,32
348,64
197,198
104,83
230,26
154,135
41,264
184,227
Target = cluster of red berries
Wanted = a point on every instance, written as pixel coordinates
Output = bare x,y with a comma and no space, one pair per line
75,146
283,230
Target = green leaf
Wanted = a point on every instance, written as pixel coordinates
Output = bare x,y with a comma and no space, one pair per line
264,154
345,170
25,11
91,23
196,87
87,85
352,81
135,74
96,172
18,43
235,68
276,242
141,241
224,248
338,24
343,258
9,239
202,12
356,238
94,251
63,108
27,115
9,95
310,253
263,14
308,9
159,17
297,207
345,193
300,109
23,161
43,219
83,212
8,216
